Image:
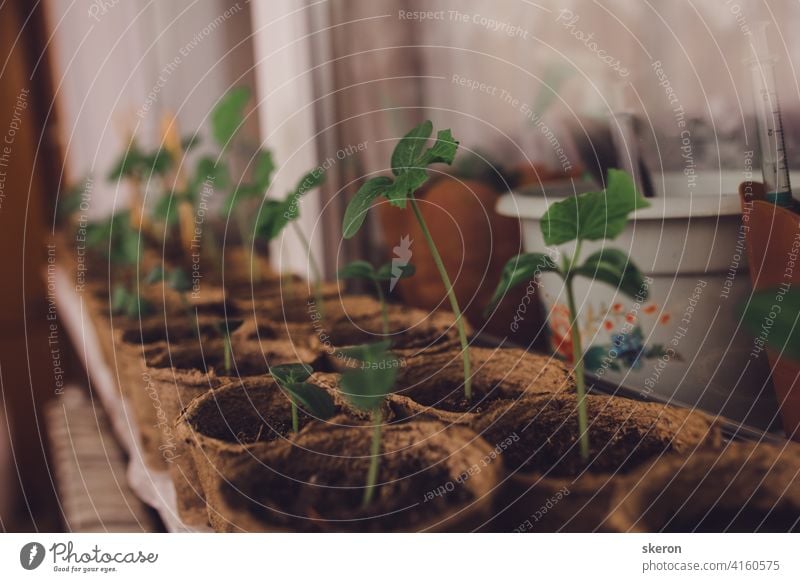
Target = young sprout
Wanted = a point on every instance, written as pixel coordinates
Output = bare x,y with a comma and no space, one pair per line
410,160
178,281
364,270
225,327
115,239
589,217
275,215
314,400
366,388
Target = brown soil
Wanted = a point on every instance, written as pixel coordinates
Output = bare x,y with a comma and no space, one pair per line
623,433
317,483
437,380
744,488
254,410
249,359
410,329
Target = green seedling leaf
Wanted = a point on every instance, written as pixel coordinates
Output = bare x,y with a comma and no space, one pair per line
291,373
443,150
179,281
356,211
156,275
166,210
612,266
593,215
228,115
358,270
409,150
406,184
314,400
263,168
271,220
119,299
212,171
519,269
69,201
781,332
401,272
367,387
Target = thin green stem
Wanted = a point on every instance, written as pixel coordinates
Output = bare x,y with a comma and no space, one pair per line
228,355
384,307
315,270
577,358
295,417
375,450
191,314
248,244
462,332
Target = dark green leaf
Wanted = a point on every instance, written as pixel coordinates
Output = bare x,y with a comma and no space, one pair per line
263,168
356,211
524,267
156,275
314,400
166,210
406,184
773,315
119,299
612,266
228,115
286,374
593,215
385,273
210,173
271,219
179,281
409,149
357,270
443,150
367,386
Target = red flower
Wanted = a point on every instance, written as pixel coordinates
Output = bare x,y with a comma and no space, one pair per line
630,318
664,318
608,325
617,307
648,309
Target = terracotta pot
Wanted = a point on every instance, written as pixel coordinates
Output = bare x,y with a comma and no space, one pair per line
430,479
433,384
234,421
746,487
771,232
548,486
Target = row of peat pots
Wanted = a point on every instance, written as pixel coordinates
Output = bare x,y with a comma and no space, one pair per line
507,459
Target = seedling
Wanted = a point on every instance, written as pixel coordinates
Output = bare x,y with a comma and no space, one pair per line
137,166
314,400
366,388
118,242
275,215
225,327
176,280
589,217
364,270
409,162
